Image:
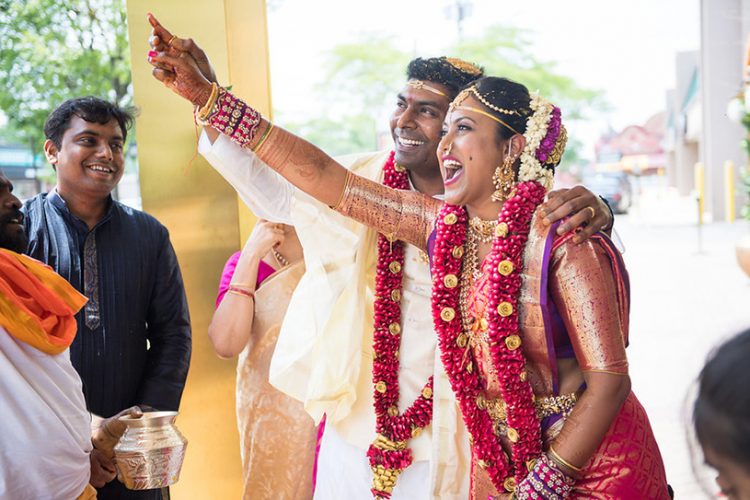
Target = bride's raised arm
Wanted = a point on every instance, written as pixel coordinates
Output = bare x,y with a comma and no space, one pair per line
403,215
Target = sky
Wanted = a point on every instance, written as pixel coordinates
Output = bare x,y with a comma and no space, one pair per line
626,49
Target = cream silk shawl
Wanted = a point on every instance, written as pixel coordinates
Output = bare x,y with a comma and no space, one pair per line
323,355
324,352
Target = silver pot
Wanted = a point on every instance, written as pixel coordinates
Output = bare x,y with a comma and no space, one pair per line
150,452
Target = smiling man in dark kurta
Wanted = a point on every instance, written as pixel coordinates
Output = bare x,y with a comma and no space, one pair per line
133,344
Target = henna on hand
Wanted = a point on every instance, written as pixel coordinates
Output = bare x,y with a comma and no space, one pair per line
185,79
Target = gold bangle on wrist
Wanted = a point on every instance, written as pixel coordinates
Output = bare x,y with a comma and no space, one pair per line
347,181
201,114
561,461
263,137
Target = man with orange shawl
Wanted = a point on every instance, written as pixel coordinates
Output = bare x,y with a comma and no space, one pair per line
45,431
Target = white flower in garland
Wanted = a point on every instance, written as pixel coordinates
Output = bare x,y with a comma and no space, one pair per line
536,129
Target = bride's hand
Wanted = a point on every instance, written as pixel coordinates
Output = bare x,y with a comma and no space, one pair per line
162,40
185,78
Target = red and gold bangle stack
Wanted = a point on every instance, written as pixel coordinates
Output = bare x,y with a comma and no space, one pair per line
244,290
544,481
230,116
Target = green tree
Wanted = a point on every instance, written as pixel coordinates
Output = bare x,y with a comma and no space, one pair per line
368,72
356,135
359,82
503,52
361,78
56,49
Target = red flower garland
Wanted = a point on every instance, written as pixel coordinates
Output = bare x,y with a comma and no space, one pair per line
388,460
505,344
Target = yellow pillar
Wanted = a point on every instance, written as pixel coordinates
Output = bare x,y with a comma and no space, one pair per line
201,211
729,195
700,188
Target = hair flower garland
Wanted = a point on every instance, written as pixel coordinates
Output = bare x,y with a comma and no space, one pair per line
547,147
532,168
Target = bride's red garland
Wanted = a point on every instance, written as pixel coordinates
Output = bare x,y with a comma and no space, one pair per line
389,455
506,262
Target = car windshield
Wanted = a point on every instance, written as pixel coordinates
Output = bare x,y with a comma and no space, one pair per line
604,181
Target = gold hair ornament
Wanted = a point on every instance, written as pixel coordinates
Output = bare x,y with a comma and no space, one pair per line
419,84
488,115
556,155
464,66
473,90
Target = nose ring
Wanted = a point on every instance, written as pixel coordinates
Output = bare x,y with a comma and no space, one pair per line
448,149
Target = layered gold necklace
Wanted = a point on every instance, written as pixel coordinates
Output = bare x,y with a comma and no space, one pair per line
479,231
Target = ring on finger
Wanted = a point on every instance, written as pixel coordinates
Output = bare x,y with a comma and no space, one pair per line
593,211
169,43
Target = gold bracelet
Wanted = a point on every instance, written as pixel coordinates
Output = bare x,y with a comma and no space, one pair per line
263,138
561,461
343,191
201,114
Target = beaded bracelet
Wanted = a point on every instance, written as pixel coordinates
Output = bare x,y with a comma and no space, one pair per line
544,481
232,117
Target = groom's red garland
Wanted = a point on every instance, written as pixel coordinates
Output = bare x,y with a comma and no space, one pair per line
389,455
506,264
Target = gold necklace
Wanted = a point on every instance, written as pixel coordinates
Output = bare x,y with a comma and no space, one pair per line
484,230
280,259
470,273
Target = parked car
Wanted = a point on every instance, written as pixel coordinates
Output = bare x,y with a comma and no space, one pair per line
613,187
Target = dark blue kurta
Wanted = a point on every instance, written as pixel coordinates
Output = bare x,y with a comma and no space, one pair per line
133,343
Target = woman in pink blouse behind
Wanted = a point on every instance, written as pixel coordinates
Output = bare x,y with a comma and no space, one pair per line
277,437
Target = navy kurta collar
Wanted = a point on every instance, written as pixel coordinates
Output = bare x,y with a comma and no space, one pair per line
61,205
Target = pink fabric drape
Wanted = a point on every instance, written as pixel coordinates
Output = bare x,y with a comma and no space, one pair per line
264,271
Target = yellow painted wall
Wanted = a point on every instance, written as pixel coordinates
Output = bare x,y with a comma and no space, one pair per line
200,210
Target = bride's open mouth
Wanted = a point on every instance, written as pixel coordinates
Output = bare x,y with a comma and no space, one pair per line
453,170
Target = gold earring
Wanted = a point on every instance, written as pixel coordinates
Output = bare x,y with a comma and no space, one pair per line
503,180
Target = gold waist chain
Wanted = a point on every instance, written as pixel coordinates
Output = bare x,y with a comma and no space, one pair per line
545,407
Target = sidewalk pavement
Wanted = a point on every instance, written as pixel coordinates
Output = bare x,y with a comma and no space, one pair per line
688,293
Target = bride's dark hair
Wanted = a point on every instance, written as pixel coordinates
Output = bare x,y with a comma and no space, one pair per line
511,97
